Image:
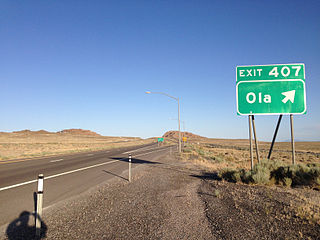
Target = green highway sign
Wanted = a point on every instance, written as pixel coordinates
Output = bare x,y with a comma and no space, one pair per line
160,139
271,89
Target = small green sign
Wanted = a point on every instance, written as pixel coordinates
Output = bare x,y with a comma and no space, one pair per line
160,139
271,89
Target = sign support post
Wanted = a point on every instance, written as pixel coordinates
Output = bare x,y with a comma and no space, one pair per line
292,140
250,140
274,136
255,139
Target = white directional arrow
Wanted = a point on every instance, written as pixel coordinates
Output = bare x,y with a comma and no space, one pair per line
288,96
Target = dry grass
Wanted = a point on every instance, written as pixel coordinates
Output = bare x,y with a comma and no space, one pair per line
215,158
231,159
227,153
18,145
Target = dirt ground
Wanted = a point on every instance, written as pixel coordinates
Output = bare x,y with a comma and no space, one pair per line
30,144
173,199
237,211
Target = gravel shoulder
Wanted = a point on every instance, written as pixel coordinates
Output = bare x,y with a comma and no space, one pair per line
160,203
171,199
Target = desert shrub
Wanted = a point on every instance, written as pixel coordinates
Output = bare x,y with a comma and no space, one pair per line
187,150
271,165
315,173
287,182
260,176
317,181
226,174
280,173
236,176
302,174
232,175
201,152
246,176
273,172
261,173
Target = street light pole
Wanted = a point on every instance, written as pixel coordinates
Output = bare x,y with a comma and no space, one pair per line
179,126
177,99
183,129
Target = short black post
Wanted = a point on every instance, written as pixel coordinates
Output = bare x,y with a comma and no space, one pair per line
274,136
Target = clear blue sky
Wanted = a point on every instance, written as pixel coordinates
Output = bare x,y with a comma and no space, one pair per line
87,64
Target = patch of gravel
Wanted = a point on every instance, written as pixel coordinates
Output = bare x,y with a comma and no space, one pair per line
238,211
160,203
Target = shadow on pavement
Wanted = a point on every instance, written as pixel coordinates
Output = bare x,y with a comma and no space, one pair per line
114,175
136,160
20,229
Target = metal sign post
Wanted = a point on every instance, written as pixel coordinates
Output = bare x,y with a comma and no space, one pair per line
184,140
250,141
292,140
255,139
274,136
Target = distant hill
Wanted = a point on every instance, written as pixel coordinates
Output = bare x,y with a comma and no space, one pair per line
79,132
29,132
175,135
66,131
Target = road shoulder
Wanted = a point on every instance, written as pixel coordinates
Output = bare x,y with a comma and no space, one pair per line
160,203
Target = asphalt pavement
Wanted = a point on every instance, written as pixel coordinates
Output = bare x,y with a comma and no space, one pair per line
65,176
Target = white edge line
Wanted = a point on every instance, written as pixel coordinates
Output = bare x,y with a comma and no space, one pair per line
18,185
56,175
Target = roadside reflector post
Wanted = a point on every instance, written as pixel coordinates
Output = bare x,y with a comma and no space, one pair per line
250,141
255,138
129,167
292,140
38,215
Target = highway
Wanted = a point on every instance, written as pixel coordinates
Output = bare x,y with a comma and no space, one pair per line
65,176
